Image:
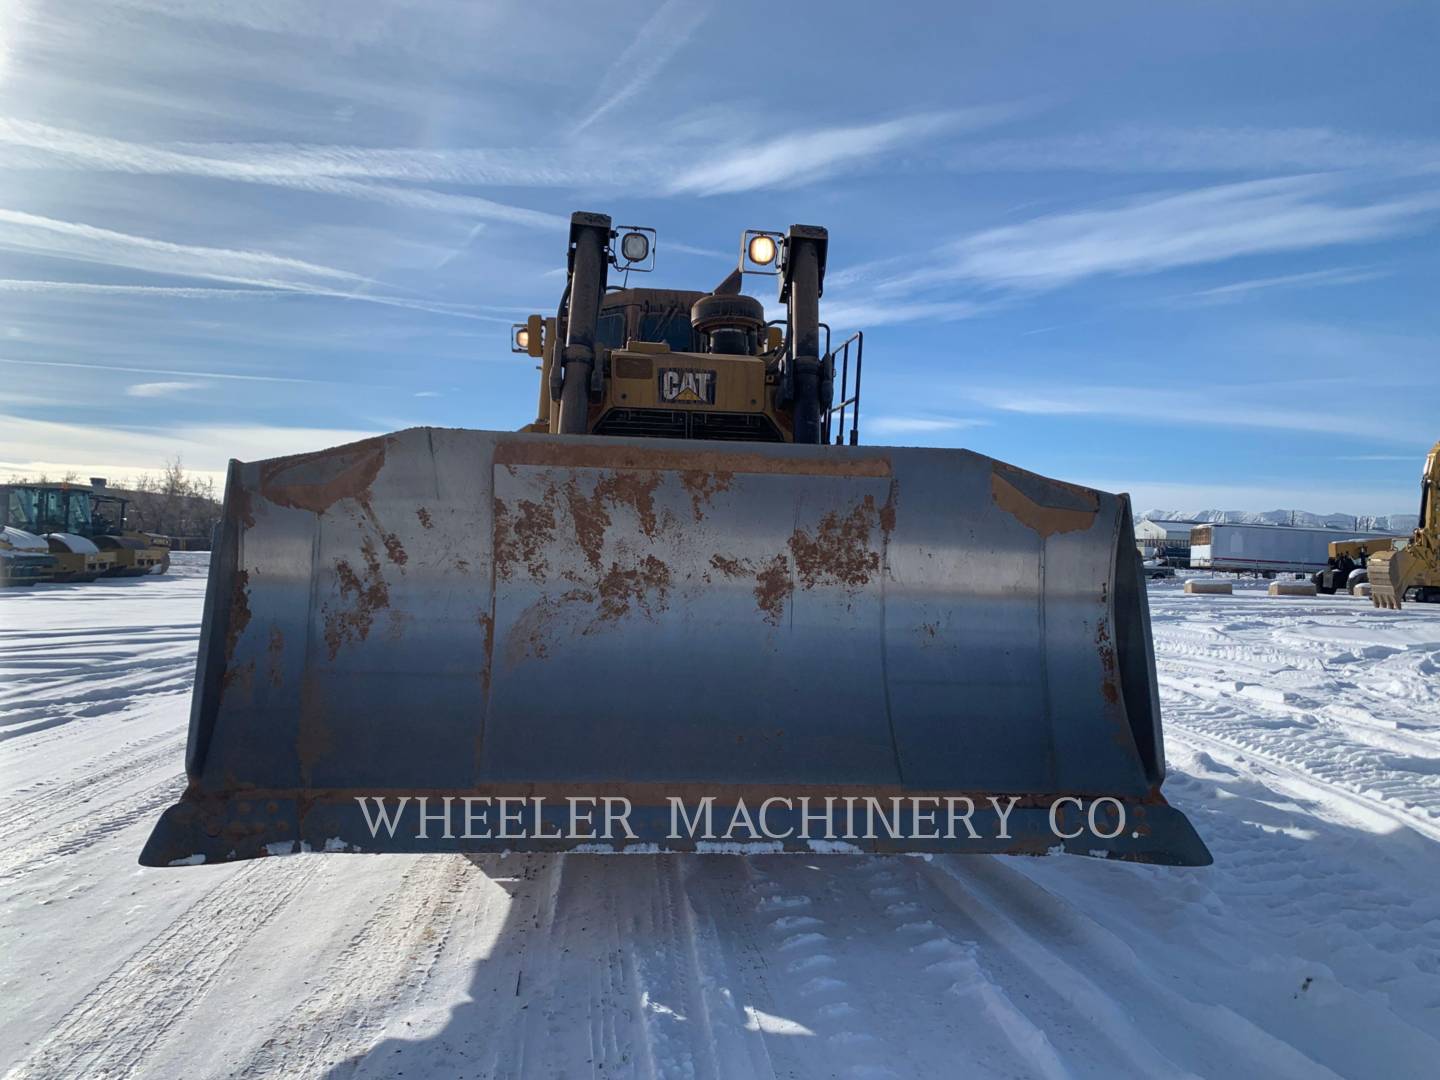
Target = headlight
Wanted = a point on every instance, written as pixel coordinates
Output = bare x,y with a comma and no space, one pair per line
762,249
635,247
522,339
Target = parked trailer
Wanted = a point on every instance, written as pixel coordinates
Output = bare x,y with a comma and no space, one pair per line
1280,549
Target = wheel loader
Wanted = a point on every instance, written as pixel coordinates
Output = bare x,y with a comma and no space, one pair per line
683,609
1412,571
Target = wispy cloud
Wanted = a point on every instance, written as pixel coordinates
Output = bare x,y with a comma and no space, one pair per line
915,425
127,370
39,235
1200,150
1238,290
1162,232
77,241
664,34
810,155
29,446
174,292
161,389
1235,407
866,312
331,170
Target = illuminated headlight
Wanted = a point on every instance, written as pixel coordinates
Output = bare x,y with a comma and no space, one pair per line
762,250
635,247
522,338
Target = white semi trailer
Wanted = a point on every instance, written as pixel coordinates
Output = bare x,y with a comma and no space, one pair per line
1279,549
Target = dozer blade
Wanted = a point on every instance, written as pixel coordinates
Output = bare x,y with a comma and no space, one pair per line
444,640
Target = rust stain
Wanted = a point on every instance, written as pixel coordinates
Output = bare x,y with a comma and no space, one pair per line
370,595
276,652
394,550
730,567
839,553
487,626
619,588
591,520
315,482
1109,684
887,512
703,487
424,516
636,490
521,538
243,507
239,612
566,454
773,588
241,676
527,637
1043,517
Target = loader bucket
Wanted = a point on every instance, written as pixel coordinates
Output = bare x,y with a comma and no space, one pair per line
446,640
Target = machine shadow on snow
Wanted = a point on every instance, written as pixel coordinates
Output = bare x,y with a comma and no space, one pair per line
613,916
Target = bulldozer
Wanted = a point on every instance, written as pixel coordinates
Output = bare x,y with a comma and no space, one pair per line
683,609
1412,571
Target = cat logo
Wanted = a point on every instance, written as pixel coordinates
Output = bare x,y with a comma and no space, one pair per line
686,386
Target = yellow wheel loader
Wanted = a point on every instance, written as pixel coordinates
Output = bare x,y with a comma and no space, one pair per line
1412,572
682,610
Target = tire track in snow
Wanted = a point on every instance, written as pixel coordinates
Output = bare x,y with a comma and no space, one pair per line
112,1030
610,977
1111,996
387,960
1328,760
90,828
22,814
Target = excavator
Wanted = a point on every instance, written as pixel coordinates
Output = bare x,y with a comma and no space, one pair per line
1412,571
683,609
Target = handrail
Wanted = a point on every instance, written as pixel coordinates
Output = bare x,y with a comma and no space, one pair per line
848,401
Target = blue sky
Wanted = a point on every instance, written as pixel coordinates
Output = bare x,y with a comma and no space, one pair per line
1183,250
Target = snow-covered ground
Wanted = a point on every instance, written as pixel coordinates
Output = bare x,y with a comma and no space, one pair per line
1304,741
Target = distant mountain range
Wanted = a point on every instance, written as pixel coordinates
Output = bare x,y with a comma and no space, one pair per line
1396,523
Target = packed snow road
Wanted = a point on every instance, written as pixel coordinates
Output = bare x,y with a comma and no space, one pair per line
1304,741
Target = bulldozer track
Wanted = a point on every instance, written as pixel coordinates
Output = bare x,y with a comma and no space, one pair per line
1330,760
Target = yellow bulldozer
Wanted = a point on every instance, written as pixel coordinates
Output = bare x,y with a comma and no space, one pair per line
683,609
1412,571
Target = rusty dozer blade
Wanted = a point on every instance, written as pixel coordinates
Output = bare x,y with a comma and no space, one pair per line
447,640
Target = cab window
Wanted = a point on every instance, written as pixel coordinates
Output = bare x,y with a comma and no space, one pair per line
671,326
